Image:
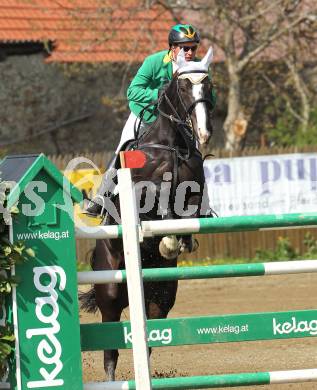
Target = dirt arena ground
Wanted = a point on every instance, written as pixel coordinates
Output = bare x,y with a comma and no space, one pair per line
228,296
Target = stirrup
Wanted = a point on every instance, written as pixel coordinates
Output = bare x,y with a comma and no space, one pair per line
93,203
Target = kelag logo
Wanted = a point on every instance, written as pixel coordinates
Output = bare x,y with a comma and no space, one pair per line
295,326
164,335
48,343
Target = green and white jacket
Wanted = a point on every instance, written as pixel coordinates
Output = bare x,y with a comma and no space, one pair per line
156,70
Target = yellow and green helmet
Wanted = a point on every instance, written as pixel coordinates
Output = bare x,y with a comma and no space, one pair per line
183,33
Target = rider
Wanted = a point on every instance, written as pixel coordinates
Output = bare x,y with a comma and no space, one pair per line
155,72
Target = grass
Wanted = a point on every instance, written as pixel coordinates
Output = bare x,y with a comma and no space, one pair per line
283,252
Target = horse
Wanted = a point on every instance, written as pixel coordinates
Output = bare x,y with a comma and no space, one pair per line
172,159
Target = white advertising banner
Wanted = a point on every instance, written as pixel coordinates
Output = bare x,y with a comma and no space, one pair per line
271,184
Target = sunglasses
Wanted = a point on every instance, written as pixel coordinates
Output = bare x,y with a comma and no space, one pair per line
187,48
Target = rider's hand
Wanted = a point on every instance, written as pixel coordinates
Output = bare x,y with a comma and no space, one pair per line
162,90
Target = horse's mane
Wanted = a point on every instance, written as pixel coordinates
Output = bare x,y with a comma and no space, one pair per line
156,103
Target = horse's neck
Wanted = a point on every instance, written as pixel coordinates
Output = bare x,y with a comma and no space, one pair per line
162,131
158,133
173,126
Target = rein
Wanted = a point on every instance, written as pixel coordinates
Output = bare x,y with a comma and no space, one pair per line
184,127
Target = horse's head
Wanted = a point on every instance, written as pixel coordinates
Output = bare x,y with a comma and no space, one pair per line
194,91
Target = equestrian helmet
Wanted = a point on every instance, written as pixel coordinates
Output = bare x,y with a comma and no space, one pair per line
183,33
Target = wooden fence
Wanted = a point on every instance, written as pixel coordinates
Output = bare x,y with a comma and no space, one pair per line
244,244
229,245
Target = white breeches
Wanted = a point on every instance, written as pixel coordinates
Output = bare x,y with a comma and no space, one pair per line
128,130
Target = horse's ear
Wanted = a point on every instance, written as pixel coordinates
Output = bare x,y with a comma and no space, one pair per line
206,61
180,60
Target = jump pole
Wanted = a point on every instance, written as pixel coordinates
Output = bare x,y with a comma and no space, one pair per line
206,225
202,272
215,381
132,256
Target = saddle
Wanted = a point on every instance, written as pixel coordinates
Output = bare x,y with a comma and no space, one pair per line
128,145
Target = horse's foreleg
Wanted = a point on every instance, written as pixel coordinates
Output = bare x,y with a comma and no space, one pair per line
169,245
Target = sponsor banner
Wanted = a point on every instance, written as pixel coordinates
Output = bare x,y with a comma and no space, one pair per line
48,332
204,330
273,184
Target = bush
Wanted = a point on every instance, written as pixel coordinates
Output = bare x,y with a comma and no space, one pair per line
311,244
10,254
287,130
283,251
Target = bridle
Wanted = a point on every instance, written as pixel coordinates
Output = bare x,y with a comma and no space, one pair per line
183,124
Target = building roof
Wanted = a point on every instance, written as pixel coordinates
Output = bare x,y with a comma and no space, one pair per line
86,30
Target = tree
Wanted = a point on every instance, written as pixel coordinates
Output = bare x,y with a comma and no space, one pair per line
299,48
245,30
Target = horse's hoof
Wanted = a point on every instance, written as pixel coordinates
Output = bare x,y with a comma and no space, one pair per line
169,247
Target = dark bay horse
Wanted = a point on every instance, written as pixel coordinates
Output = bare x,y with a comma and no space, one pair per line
173,162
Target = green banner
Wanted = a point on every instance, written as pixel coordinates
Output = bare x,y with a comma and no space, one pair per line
204,330
46,298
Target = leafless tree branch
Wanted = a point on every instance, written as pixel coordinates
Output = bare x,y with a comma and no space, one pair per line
268,40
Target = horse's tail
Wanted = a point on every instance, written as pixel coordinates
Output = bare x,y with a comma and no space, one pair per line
88,299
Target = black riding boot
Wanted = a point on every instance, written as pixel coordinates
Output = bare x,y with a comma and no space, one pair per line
96,206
